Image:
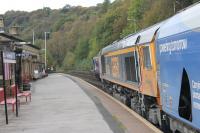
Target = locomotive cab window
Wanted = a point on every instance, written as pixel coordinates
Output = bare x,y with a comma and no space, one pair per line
147,57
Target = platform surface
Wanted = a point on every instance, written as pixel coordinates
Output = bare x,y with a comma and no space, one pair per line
58,106
127,119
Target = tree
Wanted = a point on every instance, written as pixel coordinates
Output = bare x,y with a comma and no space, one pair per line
79,33
105,6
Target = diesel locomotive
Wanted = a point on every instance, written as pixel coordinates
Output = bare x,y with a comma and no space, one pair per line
156,71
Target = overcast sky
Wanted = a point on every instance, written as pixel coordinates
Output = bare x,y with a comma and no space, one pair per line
30,5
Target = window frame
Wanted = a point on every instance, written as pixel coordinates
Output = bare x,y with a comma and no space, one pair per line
137,76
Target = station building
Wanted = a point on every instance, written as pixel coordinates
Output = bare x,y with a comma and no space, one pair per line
26,55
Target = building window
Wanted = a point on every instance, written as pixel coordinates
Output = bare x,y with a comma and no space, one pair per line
131,68
147,57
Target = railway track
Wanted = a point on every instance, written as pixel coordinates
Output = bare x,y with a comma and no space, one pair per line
87,76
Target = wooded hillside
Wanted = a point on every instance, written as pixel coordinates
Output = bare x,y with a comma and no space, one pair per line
78,33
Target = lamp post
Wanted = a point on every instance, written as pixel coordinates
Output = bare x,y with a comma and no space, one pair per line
45,49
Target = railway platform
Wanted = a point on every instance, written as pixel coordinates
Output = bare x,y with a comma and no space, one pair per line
66,104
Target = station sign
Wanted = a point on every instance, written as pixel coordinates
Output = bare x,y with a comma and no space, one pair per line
22,55
25,54
9,57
